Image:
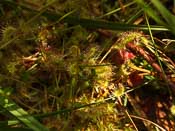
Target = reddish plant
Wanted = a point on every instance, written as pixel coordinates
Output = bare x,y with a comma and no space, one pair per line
135,79
119,57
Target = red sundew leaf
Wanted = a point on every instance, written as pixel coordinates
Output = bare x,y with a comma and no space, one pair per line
116,57
119,57
128,55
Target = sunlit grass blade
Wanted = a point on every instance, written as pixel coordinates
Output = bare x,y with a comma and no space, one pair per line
20,114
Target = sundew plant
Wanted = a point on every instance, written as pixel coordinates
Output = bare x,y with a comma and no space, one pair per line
85,65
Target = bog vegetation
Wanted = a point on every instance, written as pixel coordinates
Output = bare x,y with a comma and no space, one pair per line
83,65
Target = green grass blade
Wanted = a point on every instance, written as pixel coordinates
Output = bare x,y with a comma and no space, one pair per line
116,10
167,15
95,24
20,114
169,18
89,23
156,52
150,12
164,12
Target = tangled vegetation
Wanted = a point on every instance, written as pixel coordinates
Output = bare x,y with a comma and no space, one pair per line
87,65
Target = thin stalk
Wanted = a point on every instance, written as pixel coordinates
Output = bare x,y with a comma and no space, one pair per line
127,113
143,119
